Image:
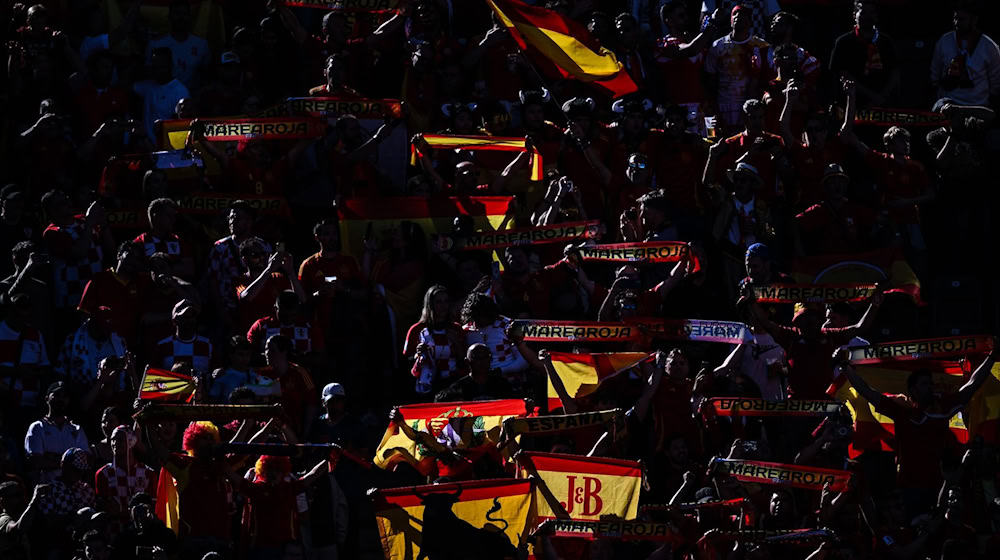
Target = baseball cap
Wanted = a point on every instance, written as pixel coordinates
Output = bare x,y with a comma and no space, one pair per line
229,57
333,390
759,250
76,457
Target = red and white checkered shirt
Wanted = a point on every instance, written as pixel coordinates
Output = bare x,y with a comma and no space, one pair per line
304,338
116,485
505,355
151,244
64,499
70,275
26,348
449,362
197,352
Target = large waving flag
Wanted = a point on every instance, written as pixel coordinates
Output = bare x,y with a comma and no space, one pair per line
460,424
884,265
452,520
562,47
433,215
584,488
165,385
167,504
873,430
582,373
983,412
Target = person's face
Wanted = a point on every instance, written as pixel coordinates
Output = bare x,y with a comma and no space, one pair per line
464,121
336,405
634,123
165,219
240,357
328,236
866,17
59,401
780,505
180,18
184,109
534,116
744,185
964,22
676,16
240,222
922,390
37,18
465,175
650,218
440,304
780,29
628,33
187,320
104,70
675,123
741,20
755,118
335,29
677,366
286,313
834,320
517,261
757,268
254,257
162,68
900,144
119,443
678,451
273,354
480,360
637,170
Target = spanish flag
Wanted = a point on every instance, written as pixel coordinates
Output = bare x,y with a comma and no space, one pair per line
167,503
433,215
884,265
561,47
440,520
983,412
165,385
470,142
873,430
458,424
582,373
583,488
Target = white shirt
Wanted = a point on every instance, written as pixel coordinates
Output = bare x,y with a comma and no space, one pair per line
190,55
982,64
45,437
158,101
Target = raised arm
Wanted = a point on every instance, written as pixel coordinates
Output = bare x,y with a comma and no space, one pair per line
844,367
568,403
978,377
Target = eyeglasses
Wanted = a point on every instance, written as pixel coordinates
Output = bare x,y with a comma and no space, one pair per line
637,164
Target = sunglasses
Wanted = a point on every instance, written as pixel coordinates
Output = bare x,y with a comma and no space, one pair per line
637,164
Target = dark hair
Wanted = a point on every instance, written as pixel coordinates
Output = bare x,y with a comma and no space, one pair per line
243,206
479,304
323,223
241,392
427,314
913,378
140,498
281,342
48,199
22,251
127,247
287,299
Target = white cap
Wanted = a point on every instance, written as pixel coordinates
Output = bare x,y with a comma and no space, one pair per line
333,390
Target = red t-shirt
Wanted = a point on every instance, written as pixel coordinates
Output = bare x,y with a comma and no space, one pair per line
740,144
271,514
681,76
829,233
923,437
203,495
810,370
810,163
248,178
297,392
251,309
126,301
906,179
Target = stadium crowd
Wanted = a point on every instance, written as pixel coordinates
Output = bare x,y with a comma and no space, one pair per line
155,249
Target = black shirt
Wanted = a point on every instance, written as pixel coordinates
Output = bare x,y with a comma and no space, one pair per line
851,55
